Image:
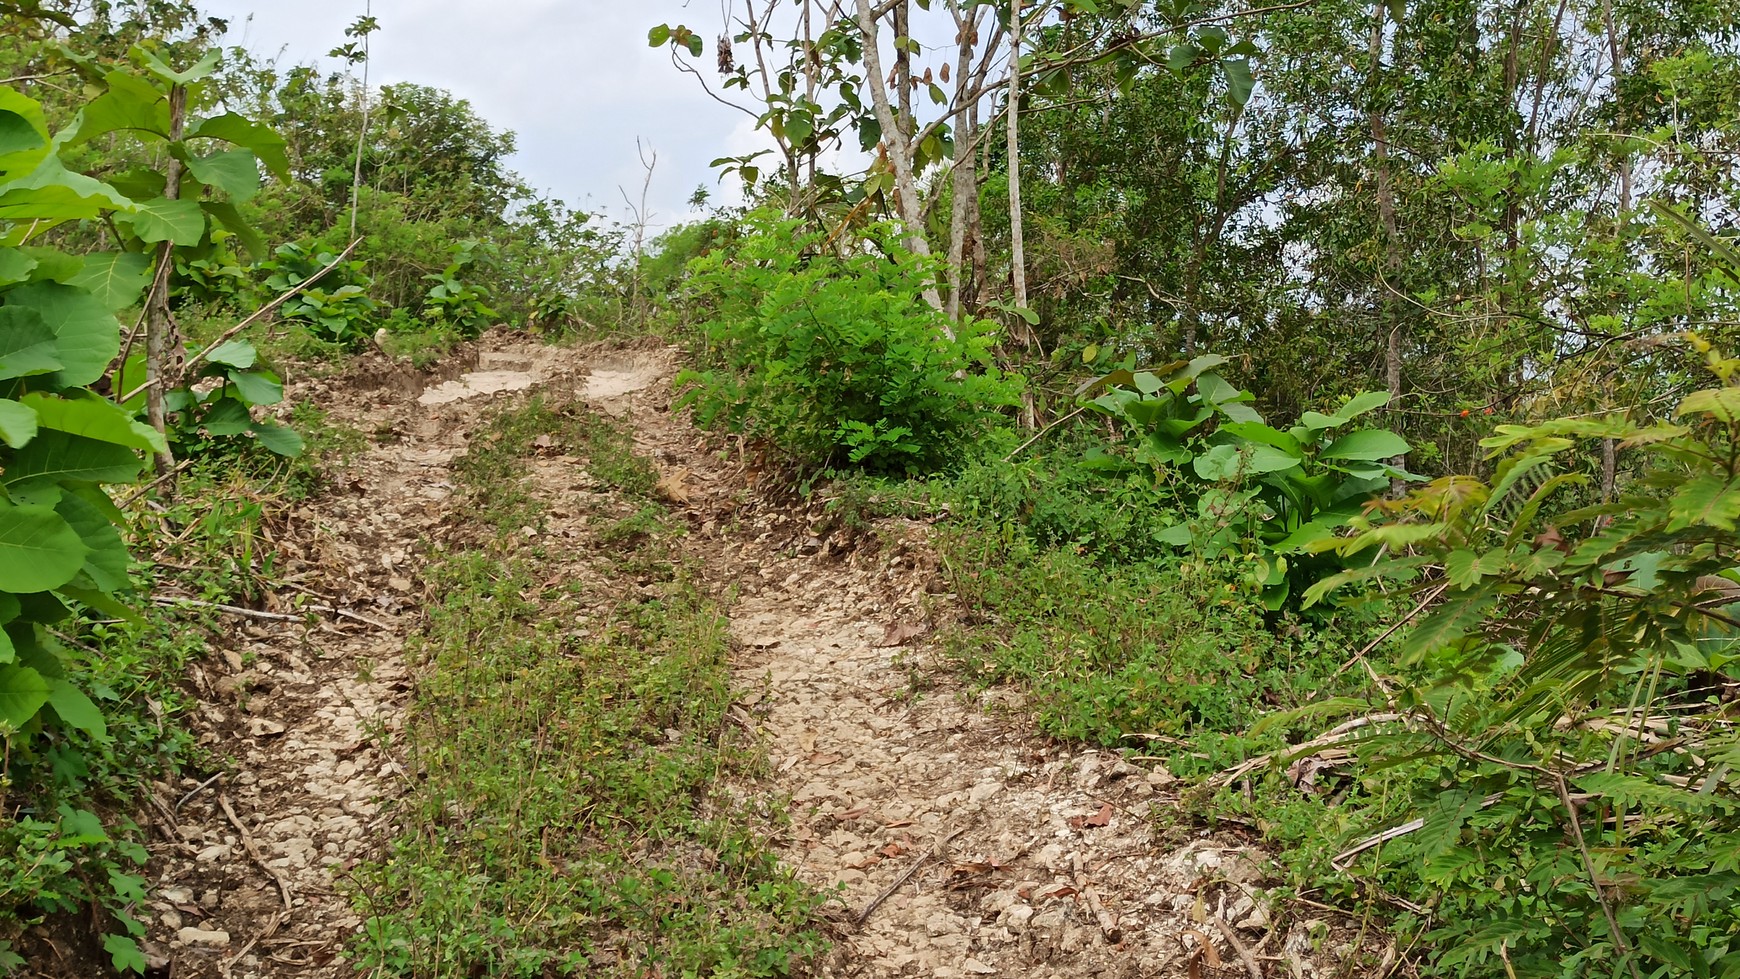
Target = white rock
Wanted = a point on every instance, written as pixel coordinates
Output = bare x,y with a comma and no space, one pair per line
199,936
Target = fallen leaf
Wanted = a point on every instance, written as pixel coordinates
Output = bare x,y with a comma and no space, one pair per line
892,850
900,633
671,488
1061,890
897,823
850,813
1206,950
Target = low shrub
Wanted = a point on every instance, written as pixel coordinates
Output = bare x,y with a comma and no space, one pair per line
826,350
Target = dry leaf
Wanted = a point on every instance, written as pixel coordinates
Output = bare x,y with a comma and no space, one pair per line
672,489
1206,948
900,633
1101,818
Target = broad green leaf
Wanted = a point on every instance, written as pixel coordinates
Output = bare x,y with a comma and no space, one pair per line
1240,412
87,337
258,387
658,36
1358,405
15,265
1239,82
1263,434
17,423
8,652
94,418
17,134
695,46
27,346
53,265
1366,445
76,710
131,104
226,417
39,550
1178,535
117,279
55,456
279,439
23,691
232,221
200,70
235,172
50,194
1218,463
244,132
234,353
106,564
1260,458
180,222
28,111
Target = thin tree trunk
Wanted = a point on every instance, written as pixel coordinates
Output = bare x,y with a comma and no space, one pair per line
899,150
1017,246
1392,258
964,178
161,340
1615,51
903,69
363,131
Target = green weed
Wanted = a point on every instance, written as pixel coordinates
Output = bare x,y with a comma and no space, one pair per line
567,747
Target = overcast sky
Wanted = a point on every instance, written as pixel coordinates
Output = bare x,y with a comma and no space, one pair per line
574,80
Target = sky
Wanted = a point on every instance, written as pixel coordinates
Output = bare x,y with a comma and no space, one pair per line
573,79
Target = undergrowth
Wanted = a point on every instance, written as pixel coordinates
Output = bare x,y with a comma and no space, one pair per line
1121,640
69,799
566,743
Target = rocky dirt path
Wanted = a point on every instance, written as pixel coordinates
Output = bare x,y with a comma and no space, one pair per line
959,845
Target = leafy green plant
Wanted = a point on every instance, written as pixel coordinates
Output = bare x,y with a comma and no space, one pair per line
232,382
338,309
826,350
451,300
1567,740
62,444
1244,487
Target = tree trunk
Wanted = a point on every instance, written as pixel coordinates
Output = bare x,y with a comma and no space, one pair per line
898,148
964,178
1392,257
162,342
1017,246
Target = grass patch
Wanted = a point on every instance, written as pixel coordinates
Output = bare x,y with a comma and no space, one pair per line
494,467
1116,635
567,748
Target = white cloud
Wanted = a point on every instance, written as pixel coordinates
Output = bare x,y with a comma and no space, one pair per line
575,81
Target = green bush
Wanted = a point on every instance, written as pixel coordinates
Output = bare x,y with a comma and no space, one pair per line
826,351
1567,736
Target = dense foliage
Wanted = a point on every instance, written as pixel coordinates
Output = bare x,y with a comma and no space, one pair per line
824,348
